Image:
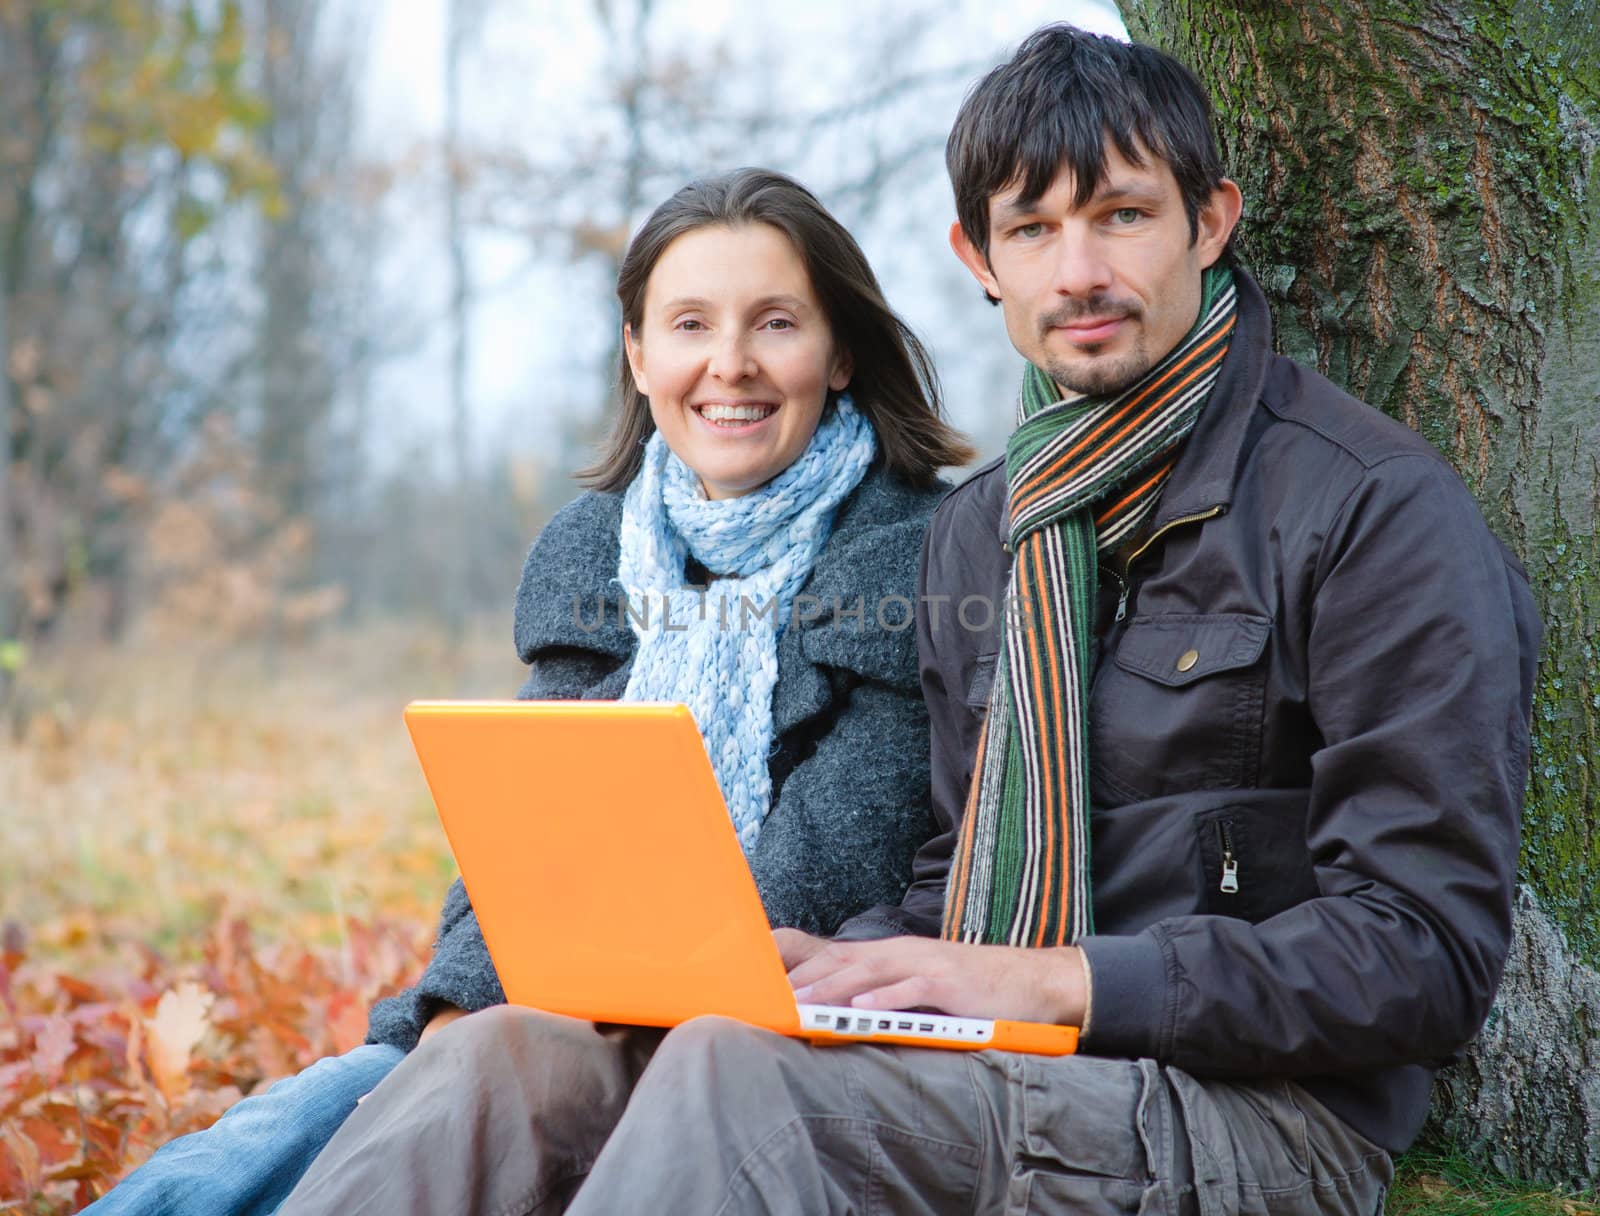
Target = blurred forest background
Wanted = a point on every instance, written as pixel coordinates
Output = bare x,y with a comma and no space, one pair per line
306,317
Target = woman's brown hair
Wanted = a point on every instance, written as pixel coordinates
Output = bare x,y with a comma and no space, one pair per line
892,382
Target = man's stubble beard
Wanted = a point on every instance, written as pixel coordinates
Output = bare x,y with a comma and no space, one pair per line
1101,380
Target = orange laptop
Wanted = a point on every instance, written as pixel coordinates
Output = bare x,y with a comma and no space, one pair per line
609,882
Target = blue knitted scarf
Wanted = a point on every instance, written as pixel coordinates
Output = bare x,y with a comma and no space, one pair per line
716,649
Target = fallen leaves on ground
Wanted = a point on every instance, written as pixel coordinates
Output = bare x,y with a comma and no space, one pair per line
97,1072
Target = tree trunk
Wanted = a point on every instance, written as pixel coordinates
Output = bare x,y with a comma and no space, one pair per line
1423,211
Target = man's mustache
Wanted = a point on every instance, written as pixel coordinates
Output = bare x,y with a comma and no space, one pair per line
1101,308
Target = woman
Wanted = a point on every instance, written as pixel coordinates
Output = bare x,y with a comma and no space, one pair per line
777,445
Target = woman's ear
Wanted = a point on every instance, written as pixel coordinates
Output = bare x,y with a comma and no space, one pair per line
844,366
635,359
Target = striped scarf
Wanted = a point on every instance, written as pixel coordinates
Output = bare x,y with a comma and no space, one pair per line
1083,477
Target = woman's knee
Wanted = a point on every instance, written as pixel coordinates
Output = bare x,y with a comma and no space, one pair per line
709,1051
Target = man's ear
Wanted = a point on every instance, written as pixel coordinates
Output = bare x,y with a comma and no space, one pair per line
974,260
1215,222
635,359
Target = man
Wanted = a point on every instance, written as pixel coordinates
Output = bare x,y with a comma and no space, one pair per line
1257,644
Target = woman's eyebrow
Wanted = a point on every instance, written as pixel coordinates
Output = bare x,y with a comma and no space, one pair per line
775,301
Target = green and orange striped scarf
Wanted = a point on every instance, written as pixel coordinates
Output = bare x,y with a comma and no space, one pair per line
1083,477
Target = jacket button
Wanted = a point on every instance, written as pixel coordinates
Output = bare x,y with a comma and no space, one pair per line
1188,659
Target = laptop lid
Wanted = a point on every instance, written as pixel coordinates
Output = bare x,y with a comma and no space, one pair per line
595,846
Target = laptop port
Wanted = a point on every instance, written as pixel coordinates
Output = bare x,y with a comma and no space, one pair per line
905,1025
926,1027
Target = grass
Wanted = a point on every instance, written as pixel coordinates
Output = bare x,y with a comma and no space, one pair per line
1430,1184
149,791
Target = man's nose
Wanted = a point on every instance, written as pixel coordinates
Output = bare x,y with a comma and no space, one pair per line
1082,268
731,360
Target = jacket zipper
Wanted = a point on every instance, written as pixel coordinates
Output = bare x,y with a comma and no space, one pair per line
1209,513
1127,566
1230,866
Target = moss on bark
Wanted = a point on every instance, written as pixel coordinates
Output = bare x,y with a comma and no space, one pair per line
1421,208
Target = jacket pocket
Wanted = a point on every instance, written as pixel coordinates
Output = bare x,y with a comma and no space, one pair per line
1254,861
1178,706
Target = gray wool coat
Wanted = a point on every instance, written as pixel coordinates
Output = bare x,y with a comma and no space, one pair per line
850,796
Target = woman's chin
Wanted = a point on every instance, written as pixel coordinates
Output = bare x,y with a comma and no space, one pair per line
734,483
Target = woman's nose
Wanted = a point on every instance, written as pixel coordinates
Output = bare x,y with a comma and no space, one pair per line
732,361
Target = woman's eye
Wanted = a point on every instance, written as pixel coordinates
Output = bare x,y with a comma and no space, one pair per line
780,323
690,324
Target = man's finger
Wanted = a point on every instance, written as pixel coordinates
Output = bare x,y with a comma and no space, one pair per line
836,984
912,993
794,947
832,958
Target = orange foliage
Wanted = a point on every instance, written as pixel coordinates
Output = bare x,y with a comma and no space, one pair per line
98,1071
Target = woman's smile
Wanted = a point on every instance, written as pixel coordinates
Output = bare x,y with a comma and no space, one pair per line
735,417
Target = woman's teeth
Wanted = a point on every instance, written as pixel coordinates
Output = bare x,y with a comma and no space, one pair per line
733,414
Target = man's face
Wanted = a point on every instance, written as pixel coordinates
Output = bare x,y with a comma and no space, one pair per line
1097,295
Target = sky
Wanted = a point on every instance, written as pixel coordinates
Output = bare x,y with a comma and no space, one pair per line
540,328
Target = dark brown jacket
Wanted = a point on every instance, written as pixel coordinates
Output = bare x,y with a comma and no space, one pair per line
1353,731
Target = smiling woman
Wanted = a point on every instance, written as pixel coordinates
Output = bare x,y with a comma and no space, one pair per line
779,435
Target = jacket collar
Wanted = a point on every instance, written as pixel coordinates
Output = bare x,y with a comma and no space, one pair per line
1204,476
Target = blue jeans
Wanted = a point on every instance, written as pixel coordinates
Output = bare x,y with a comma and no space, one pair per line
248,1161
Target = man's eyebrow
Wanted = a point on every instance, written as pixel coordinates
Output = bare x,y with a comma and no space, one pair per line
1013,208
1130,192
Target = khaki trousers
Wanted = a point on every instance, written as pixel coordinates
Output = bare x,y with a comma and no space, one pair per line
512,1111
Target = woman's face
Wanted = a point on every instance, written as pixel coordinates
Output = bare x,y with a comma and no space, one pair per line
734,355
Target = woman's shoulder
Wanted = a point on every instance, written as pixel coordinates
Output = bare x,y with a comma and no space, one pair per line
879,530
567,577
885,499
594,517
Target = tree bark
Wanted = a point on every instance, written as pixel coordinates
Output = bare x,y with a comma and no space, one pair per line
1423,211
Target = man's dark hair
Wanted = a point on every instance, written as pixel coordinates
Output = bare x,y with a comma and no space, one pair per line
892,379
1054,104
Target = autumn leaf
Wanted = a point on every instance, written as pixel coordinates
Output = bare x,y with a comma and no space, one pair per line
181,1019
51,1049
24,1154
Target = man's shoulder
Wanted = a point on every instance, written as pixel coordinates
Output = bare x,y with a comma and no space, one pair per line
1319,415
980,496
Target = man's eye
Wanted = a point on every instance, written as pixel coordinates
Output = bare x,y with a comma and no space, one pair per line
1126,215
1028,231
